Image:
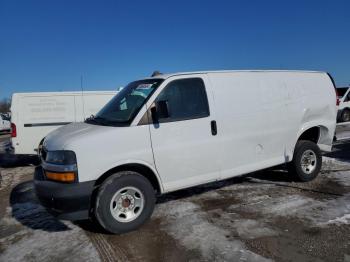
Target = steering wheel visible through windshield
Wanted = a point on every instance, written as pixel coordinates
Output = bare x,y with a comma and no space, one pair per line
122,109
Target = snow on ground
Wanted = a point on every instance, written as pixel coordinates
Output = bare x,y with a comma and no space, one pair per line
345,219
317,211
218,223
39,245
29,233
213,231
189,225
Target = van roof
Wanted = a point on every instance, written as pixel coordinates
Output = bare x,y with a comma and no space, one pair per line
165,76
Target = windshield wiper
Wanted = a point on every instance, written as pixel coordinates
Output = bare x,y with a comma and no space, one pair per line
104,121
96,120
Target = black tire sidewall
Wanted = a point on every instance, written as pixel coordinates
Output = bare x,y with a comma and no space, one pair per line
301,147
107,191
343,115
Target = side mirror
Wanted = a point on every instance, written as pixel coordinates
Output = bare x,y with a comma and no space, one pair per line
160,110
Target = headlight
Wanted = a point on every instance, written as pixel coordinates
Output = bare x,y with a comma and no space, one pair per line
61,157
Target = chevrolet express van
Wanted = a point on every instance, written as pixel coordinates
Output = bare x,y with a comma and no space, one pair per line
175,131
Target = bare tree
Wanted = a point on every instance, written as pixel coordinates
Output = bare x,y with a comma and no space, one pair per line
5,104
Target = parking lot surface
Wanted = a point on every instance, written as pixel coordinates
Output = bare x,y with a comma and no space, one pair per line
263,216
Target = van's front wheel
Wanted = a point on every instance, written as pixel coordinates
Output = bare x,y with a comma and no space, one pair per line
307,161
124,202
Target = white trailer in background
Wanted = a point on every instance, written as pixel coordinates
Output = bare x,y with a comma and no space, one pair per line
34,115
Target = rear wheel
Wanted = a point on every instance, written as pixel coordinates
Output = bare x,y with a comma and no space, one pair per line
307,161
124,202
345,116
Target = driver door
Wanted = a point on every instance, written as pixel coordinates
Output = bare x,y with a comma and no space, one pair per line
184,142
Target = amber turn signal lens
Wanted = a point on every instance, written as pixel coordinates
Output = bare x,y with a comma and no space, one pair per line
62,177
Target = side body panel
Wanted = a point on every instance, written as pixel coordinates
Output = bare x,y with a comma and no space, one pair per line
262,114
239,122
318,98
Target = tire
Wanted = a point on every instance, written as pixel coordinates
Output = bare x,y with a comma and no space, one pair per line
309,153
345,115
124,202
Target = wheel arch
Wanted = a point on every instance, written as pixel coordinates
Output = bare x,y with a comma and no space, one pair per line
320,133
142,169
310,133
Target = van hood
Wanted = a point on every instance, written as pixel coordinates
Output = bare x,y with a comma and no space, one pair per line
59,138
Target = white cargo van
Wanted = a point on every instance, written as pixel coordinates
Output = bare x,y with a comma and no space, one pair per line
34,115
180,130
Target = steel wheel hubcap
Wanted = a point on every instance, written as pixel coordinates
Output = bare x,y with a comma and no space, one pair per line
308,161
127,204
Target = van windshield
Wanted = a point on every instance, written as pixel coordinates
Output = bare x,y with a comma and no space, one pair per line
122,109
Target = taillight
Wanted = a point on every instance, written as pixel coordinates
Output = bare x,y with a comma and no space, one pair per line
13,130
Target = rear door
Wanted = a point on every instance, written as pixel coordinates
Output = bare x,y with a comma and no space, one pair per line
184,144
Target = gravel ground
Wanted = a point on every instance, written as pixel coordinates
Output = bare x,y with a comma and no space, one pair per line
263,216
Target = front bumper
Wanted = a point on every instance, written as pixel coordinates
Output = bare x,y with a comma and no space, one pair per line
66,201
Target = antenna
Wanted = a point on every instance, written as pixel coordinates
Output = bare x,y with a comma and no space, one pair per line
82,95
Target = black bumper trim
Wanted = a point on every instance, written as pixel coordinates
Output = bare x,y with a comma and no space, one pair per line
66,201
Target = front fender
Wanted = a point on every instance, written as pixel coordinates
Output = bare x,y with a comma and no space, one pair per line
134,161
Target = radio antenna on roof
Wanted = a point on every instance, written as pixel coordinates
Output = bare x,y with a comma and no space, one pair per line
156,73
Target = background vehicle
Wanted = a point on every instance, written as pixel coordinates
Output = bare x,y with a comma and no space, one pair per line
5,124
34,115
344,104
176,131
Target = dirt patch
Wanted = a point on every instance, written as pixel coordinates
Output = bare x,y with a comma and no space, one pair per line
297,241
150,242
222,203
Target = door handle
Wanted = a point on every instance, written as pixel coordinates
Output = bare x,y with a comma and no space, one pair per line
214,129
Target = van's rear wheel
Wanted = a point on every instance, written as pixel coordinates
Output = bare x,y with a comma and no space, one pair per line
124,202
307,161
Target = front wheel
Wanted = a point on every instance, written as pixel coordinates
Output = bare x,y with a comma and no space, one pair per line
307,161
124,202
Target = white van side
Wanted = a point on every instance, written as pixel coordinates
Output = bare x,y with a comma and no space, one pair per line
34,115
175,131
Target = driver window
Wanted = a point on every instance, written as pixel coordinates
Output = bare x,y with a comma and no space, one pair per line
186,99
